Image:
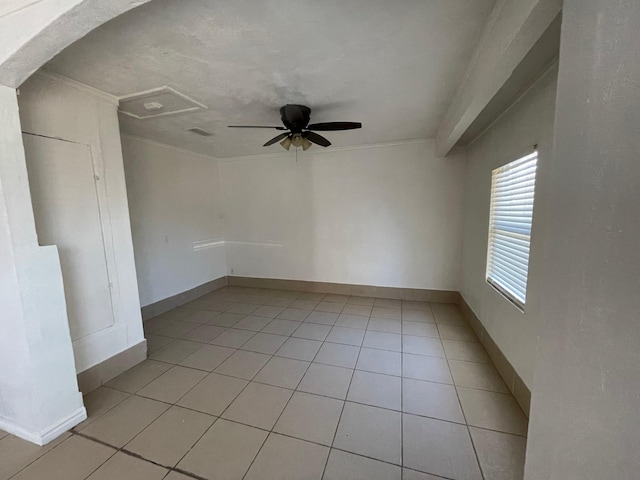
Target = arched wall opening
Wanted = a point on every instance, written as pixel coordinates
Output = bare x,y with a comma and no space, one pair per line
40,397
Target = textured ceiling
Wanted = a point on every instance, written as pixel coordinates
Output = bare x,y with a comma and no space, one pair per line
392,65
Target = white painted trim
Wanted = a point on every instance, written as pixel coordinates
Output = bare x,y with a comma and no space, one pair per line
284,152
509,36
56,77
163,88
10,7
48,434
138,95
325,151
543,73
206,244
486,33
54,431
256,244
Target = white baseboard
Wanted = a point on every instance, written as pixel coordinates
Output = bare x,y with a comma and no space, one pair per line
48,434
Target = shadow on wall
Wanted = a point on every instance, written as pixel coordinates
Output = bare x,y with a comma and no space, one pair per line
385,215
269,216
358,231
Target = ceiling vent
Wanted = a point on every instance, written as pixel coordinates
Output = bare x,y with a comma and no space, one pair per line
199,131
158,102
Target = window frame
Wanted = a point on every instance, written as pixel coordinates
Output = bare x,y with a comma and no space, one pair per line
490,277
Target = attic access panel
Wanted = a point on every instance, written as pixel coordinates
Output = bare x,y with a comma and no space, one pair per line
158,102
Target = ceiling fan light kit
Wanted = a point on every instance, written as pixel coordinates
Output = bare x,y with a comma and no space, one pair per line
286,143
298,132
306,144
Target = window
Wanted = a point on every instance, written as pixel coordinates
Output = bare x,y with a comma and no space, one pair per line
512,189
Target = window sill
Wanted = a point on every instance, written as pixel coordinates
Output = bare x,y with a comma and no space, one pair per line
506,295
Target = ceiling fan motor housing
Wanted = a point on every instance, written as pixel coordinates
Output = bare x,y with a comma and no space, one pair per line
295,117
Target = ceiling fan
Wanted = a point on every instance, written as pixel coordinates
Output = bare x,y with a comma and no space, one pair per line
298,132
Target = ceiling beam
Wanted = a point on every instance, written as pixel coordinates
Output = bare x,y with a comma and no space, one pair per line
512,30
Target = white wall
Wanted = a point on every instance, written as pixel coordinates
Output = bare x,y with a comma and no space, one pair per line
39,396
174,201
53,108
527,123
381,215
584,409
384,215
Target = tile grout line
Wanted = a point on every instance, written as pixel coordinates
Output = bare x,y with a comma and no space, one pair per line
218,417
313,361
402,398
344,404
283,409
40,456
475,452
327,364
135,455
100,466
303,338
323,396
124,451
170,406
402,353
466,425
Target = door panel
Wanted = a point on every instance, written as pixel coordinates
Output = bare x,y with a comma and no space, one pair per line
67,214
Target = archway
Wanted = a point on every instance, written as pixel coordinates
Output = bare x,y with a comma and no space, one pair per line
40,397
36,31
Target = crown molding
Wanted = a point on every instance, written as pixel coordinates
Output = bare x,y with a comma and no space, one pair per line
280,154
9,7
56,77
317,151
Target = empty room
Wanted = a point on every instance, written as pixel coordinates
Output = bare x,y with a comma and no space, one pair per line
332,240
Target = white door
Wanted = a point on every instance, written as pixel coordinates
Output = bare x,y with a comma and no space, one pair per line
67,214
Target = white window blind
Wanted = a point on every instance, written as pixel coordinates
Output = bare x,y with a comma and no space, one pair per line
512,191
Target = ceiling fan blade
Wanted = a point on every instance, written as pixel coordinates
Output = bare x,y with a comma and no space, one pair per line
276,139
317,139
254,126
334,126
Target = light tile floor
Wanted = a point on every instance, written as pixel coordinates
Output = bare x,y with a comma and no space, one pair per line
270,384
